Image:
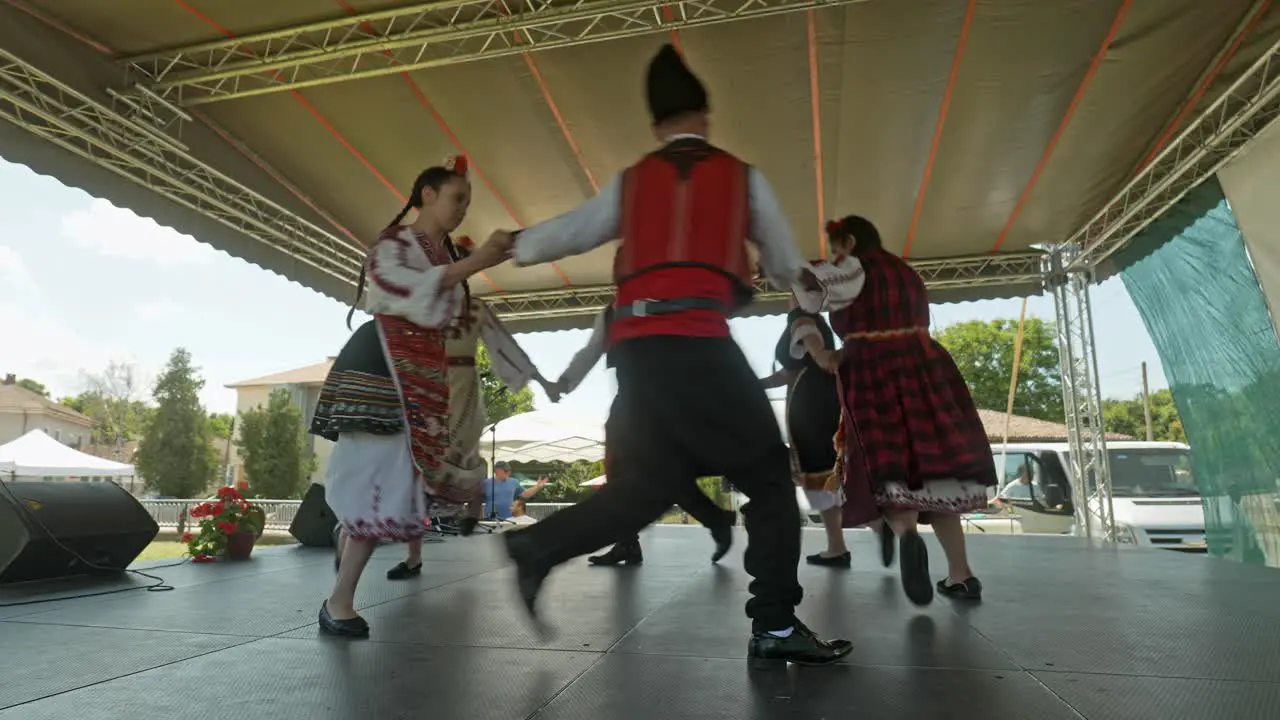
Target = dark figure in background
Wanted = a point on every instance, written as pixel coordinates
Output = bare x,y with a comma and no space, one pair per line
688,402
627,550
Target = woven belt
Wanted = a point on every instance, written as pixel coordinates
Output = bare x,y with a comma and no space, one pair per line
649,307
461,361
886,334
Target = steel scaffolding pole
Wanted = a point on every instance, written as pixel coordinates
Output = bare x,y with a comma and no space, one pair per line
420,36
140,153
1218,134
1089,465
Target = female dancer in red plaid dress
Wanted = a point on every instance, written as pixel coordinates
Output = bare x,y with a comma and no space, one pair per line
915,448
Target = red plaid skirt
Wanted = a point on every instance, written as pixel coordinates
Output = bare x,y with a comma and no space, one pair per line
912,414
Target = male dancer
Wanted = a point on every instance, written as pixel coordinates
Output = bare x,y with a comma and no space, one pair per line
718,520
688,402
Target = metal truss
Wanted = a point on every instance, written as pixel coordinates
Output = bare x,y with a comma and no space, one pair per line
1221,131
421,35
37,102
978,271
1090,466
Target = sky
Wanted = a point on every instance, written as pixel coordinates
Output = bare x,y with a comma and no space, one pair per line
83,283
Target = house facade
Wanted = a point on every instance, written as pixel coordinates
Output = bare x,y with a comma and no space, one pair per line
22,411
303,385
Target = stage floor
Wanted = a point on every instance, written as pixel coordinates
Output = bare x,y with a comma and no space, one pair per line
1065,632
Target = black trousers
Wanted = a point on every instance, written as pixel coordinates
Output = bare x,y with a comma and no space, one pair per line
691,407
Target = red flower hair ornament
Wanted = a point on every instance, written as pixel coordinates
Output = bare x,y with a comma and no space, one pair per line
834,227
458,164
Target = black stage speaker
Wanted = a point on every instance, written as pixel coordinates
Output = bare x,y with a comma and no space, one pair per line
314,523
99,521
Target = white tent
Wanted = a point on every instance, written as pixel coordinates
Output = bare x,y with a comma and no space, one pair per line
545,435
38,455
595,481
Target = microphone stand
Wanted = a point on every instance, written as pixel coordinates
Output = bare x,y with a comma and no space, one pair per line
493,518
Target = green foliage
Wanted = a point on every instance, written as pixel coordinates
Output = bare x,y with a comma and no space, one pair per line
33,386
107,413
220,425
566,479
175,455
272,442
499,402
1127,417
984,353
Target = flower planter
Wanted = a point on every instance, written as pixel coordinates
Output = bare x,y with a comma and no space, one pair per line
240,544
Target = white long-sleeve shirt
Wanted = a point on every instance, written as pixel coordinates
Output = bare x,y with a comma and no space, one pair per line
587,357
597,221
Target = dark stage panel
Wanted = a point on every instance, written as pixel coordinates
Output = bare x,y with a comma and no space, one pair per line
1065,632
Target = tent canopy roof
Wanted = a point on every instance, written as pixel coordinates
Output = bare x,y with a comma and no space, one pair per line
962,129
38,455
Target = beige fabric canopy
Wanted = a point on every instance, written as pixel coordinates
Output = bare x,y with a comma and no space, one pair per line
971,132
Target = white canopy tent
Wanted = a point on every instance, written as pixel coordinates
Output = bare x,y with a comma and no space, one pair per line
38,455
545,435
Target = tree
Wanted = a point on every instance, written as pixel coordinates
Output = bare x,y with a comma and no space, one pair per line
1127,417
499,402
104,413
33,386
272,442
175,455
114,393
984,353
220,425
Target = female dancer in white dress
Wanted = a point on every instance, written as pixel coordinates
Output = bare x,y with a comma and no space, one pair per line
386,399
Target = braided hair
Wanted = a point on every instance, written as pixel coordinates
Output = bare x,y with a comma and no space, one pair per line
435,178
862,231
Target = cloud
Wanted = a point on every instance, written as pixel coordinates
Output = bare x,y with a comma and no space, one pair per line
157,310
39,347
14,273
110,231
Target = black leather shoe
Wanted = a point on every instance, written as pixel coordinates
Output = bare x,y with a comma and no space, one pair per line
801,647
970,589
355,627
913,564
402,571
886,544
623,552
723,536
530,574
843,560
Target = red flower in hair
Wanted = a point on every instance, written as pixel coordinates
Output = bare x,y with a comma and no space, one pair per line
458,164
465,242
834,227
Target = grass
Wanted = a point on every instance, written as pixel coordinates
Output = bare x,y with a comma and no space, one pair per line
167,547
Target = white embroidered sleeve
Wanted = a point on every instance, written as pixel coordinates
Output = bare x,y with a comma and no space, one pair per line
800,331
509,361
404,283
586,358
840,286
779,259
578,231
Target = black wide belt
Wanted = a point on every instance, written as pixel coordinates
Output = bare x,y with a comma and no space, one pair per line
647,308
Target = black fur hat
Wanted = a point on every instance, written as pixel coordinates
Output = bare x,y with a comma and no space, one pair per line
672,89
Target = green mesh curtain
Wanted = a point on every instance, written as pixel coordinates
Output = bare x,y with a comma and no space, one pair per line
1191,279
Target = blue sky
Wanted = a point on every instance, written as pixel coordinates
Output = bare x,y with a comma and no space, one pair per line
83,282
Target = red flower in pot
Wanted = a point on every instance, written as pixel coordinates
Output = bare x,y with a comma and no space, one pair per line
229,527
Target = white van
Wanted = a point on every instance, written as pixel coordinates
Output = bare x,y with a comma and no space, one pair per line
1153,492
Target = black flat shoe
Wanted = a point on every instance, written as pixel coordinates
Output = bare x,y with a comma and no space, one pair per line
801,647
844,560
886,544
723,537
530,574
402,571
620,553
355,627
913,564
970,589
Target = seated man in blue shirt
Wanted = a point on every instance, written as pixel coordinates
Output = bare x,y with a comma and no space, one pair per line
500,491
